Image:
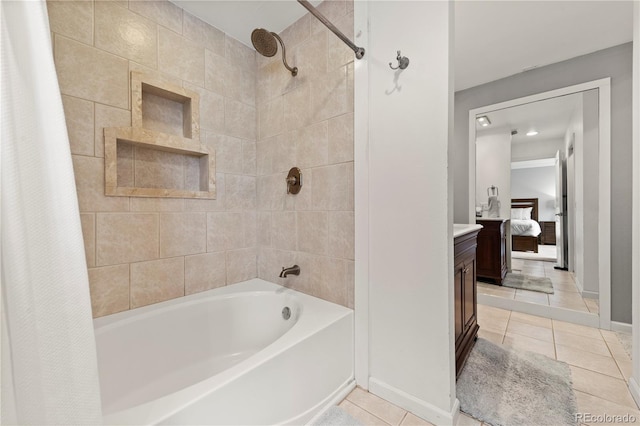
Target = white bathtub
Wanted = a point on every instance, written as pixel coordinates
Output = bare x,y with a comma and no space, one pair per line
225,356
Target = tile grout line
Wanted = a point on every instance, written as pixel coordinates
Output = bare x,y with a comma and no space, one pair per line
367,411
624,378
555,347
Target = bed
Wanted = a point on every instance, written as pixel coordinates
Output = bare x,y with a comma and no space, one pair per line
525,228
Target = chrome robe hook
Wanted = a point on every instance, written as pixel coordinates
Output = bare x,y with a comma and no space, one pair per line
403,62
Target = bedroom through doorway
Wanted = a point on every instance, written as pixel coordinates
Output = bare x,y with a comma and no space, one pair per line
543,157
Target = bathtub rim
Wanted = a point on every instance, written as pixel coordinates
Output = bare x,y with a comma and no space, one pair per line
161,307
316,314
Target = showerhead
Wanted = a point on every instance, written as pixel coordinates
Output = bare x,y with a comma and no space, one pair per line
265,44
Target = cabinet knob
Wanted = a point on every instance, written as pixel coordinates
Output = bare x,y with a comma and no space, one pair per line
465,270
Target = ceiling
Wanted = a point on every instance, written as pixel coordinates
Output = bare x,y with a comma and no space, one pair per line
550,117
239,17
493,39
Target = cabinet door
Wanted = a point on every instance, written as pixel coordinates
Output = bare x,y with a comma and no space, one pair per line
469,288
458,307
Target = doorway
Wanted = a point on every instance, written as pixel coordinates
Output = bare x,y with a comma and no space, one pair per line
602,317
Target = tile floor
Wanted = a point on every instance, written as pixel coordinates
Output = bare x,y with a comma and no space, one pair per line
545,252
566,294
599,365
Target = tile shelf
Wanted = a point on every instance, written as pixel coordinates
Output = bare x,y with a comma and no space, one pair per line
145,138
188,144
142,84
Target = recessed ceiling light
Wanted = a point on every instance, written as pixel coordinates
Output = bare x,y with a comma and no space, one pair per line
483,120
532,133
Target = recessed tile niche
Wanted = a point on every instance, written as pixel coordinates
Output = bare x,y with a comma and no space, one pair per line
161,154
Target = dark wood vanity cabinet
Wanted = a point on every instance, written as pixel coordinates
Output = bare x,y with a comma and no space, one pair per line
492,249
465,296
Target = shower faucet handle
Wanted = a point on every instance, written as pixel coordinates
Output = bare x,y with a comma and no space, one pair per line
294,181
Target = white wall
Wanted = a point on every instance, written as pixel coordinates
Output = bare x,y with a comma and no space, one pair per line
410,248
493,167
634,383
571,190
590,190
575,202
536,182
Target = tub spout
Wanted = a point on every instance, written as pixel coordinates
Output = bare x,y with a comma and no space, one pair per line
294,270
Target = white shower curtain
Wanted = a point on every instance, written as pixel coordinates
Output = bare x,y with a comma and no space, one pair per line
49,366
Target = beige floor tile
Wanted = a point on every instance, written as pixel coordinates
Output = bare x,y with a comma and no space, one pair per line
495,290
363,416
609,336
581,330
596,346
491,336
626,368
413,420
377,406
531,319
532,296
494,325
602,386
496,321
467,420
600,407
564,286
565,295
528,344
491,311
598,363
569,283
574,305
617,350
529,330
593,309
592,305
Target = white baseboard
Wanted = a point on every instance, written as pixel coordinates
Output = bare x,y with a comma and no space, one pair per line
578,283
553,312
586,294
635,390
622,327
414,405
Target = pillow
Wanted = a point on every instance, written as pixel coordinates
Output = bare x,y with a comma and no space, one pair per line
526,213
516,213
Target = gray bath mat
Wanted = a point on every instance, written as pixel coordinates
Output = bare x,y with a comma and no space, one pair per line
625,341
336,416
528,282
504,387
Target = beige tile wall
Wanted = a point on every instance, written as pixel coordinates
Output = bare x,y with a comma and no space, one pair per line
144,250
260,120
307,121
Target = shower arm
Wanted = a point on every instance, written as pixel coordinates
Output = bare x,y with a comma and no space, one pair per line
359,51
294,70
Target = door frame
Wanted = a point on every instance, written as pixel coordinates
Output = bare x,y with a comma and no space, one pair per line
604,179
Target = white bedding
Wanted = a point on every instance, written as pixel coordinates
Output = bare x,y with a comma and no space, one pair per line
525,228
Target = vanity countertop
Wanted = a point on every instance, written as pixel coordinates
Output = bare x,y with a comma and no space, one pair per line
497,219
460,229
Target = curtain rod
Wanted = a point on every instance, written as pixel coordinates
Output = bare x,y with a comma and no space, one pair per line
359,51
